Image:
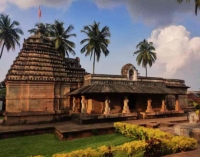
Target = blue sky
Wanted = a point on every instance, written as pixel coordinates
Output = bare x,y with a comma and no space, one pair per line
175,34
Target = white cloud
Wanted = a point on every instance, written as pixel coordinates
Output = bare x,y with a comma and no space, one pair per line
175,50
2,5
25,4
156,12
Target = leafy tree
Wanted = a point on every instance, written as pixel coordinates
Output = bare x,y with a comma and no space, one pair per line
97,41
9,33
43,28
2,89
197,4
145,54
61,37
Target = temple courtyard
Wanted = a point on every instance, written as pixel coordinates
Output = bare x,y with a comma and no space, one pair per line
66,135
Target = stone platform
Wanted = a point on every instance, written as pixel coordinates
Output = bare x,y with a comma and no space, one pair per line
188,129
66,130
18,118
161,114
81,118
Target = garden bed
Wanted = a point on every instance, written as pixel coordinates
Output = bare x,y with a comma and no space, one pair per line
49,144
147,143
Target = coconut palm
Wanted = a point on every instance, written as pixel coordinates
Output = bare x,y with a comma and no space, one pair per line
44,29
61,36
96,43
197,4
9,33
145,54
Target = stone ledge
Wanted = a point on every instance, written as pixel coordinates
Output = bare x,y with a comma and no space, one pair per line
102,116
34,113
157,113
189,130
29,113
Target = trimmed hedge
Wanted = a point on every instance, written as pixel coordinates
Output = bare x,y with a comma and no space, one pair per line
169,143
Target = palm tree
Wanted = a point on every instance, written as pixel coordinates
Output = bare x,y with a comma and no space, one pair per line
61,38
96,41
9,33
44,29
197,4
146,56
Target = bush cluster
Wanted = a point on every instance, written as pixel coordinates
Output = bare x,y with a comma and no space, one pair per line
148,143
169,143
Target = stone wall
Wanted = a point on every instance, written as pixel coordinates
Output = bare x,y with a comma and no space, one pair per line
29,98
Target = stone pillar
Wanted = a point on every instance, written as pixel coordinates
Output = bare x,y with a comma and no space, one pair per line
126,107
74,105
177,105
163,107
83,104
149,107
107,107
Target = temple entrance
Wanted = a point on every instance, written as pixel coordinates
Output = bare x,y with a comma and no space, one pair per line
132,102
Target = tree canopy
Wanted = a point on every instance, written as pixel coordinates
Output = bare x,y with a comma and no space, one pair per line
9,33
59,35
145,54
96,42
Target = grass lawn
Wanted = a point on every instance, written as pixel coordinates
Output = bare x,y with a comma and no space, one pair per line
48,144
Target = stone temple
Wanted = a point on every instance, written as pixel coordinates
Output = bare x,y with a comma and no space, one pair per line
41,86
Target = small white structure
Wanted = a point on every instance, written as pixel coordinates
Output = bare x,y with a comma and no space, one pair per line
193,117
132,73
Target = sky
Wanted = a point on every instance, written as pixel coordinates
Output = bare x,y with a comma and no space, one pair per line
173,28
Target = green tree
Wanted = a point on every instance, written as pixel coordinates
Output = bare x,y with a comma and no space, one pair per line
45,29
61,36
197,4
145,54
9,33
97,41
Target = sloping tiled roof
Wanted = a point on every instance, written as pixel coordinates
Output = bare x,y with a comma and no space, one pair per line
122,88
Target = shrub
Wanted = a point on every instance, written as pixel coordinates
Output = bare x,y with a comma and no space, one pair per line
169,143
106,151
153,148
80,153
178,144
139,132
131,148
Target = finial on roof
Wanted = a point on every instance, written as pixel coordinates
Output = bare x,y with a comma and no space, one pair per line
39,30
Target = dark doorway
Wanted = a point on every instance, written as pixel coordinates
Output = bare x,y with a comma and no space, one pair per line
132,102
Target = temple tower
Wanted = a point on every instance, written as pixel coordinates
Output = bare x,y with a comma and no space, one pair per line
38,81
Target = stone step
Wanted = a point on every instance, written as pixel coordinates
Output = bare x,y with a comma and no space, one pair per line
168,124
152,125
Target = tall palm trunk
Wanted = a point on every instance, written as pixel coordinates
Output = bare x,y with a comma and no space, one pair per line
2,50
94,63
146,70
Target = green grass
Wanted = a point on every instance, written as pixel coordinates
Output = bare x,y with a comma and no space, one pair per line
48,144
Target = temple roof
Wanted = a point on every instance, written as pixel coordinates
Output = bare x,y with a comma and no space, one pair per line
102,83
123,88
38,60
